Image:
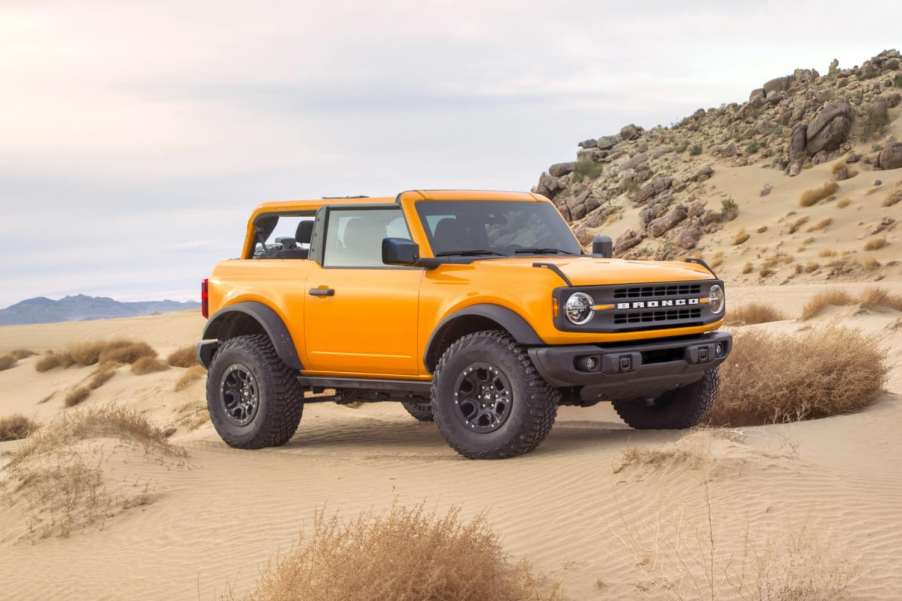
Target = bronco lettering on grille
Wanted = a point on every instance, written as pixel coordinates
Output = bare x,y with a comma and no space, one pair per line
652,304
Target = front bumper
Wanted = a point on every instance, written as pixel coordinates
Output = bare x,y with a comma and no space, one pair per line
631,370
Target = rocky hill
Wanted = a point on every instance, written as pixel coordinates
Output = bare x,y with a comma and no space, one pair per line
658,190
80,307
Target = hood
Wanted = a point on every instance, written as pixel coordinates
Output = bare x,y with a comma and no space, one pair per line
588,271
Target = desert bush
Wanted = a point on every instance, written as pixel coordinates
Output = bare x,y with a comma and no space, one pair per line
842,204
49,361
101,377
875,244
897,80
7,362
788,377
76,396
22,353
815,195
99,351
827,298
148,365
728,205
404,555
893,198
183,357
102,422
827,252
191,375
751,314
695,150
741,237
126,352
797,224
878,298
748,268
821,225
587,169
752,147
16,427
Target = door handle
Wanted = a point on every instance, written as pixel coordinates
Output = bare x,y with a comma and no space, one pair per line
322,291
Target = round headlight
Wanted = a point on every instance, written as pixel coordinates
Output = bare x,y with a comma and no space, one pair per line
716,299
578,308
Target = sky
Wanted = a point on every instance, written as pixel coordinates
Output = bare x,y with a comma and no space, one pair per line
137,136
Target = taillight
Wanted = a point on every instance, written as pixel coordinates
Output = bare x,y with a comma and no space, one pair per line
204,298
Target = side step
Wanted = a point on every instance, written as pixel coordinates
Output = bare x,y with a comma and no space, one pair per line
411,386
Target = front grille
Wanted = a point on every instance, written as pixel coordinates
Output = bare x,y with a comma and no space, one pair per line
645,317
657,291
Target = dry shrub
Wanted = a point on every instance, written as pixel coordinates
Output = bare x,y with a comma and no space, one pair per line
893,198
101,377
191,375
99,351
741,237
22,353
76,396
821,225
148,365
870,263
101,422
815,195
827,253
49,361
827,298
659,458
687,557
875,244
761,229
7,362
878,298
842,204
753,313
404,555
797,224
812,266
126,351
748,268
184,357
777,378
66,495
16,427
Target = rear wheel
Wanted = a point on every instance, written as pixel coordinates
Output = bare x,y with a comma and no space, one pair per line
488,400
676,409
254,399
421,410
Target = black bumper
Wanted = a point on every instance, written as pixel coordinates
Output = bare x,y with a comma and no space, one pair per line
631,370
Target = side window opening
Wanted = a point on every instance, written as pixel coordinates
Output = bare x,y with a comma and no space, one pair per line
283,236
354,236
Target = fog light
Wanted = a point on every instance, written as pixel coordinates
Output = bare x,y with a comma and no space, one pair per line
718,349
587,363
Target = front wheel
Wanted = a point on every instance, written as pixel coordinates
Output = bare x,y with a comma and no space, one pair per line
488,400
676,409
254,399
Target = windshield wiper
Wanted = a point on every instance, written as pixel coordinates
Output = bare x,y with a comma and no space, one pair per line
542,251
469,253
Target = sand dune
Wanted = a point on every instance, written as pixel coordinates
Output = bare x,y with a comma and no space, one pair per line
573,508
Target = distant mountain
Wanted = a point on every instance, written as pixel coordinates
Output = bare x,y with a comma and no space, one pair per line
81,307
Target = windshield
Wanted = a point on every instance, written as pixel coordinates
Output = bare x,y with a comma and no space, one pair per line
495,228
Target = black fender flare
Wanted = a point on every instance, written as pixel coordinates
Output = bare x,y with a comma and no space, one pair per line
510,320
224,321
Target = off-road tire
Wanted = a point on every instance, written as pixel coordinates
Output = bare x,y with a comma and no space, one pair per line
420,410
281,397
676,409
532,410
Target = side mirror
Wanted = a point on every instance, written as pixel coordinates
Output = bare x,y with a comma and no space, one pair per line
400,251
602,246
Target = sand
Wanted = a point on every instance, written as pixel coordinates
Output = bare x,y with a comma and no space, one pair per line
607,531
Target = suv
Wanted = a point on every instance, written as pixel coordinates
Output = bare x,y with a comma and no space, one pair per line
478,310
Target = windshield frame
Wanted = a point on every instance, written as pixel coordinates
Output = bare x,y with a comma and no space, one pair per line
496,253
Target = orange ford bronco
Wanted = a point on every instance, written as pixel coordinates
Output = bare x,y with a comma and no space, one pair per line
478,310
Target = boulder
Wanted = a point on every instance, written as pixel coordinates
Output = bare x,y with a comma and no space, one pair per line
653,188
798,141
590,143
829,128
892,100
689,237
626,241
756,98
549,186
630,132
562,169
891,156
702,174
606,142
664,224
778,84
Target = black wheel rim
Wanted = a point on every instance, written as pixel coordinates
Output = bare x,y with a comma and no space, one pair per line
482,398
240,395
